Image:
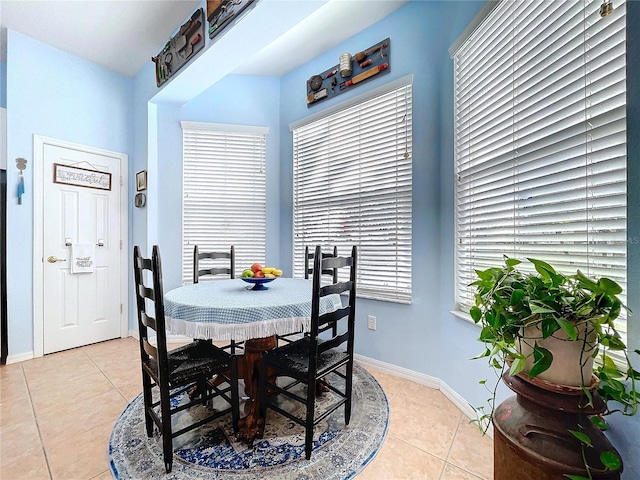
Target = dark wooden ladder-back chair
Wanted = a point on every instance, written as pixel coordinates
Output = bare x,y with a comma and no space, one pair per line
175,372
199,272
309,359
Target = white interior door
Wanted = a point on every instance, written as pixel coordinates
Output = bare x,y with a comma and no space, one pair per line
80,308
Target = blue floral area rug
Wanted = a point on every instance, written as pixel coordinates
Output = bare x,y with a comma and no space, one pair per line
211,452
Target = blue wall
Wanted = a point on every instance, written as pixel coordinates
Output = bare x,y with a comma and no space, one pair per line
54,94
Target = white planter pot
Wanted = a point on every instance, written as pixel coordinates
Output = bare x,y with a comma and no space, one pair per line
572,360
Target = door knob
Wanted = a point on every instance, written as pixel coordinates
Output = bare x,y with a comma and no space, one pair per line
54,259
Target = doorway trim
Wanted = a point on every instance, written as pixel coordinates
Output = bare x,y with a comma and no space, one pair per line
38,233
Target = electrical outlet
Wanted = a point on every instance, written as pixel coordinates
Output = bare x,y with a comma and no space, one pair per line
371,322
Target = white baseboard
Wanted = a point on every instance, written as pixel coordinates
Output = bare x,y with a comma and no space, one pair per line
20,357
420,378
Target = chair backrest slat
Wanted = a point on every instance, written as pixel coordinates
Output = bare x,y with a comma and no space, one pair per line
332,262
146,292
150,349
214,270
332,317
309,257
145,263
148,321
335,288
333,342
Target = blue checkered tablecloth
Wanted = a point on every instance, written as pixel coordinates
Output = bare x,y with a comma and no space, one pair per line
231,310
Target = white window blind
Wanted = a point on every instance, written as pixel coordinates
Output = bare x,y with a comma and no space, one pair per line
352,186
224,192
540,141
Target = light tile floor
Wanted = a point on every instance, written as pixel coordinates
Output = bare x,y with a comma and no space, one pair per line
57,412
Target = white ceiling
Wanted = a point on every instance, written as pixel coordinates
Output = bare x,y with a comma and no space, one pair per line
123,35
120,35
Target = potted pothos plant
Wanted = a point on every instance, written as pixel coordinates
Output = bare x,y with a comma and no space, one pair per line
550,327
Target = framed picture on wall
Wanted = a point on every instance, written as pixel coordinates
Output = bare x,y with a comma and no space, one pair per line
141,180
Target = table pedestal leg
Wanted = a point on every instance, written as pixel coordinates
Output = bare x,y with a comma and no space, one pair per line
252,426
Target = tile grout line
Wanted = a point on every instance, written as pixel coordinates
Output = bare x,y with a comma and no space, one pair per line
444,462
447,462
107,378
453,440
35,418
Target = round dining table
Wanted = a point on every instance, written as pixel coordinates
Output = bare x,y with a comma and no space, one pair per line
232,309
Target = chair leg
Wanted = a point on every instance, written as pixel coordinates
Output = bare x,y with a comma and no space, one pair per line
148,400
235,396
308,426
203,390
167,440
348,390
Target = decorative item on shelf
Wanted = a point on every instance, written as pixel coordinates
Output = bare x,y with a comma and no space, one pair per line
141,180
180,48
345,65
369,73
352,70
220,13
542,332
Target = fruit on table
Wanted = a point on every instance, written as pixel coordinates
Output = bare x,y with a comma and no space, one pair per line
274,272
256,267
258,271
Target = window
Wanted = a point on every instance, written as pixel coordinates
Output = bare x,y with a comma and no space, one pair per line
352,186
540,140
224,199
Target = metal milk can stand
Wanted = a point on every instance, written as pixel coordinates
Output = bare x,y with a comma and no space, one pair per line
532,438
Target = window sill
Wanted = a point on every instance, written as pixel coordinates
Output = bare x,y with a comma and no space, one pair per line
462,316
